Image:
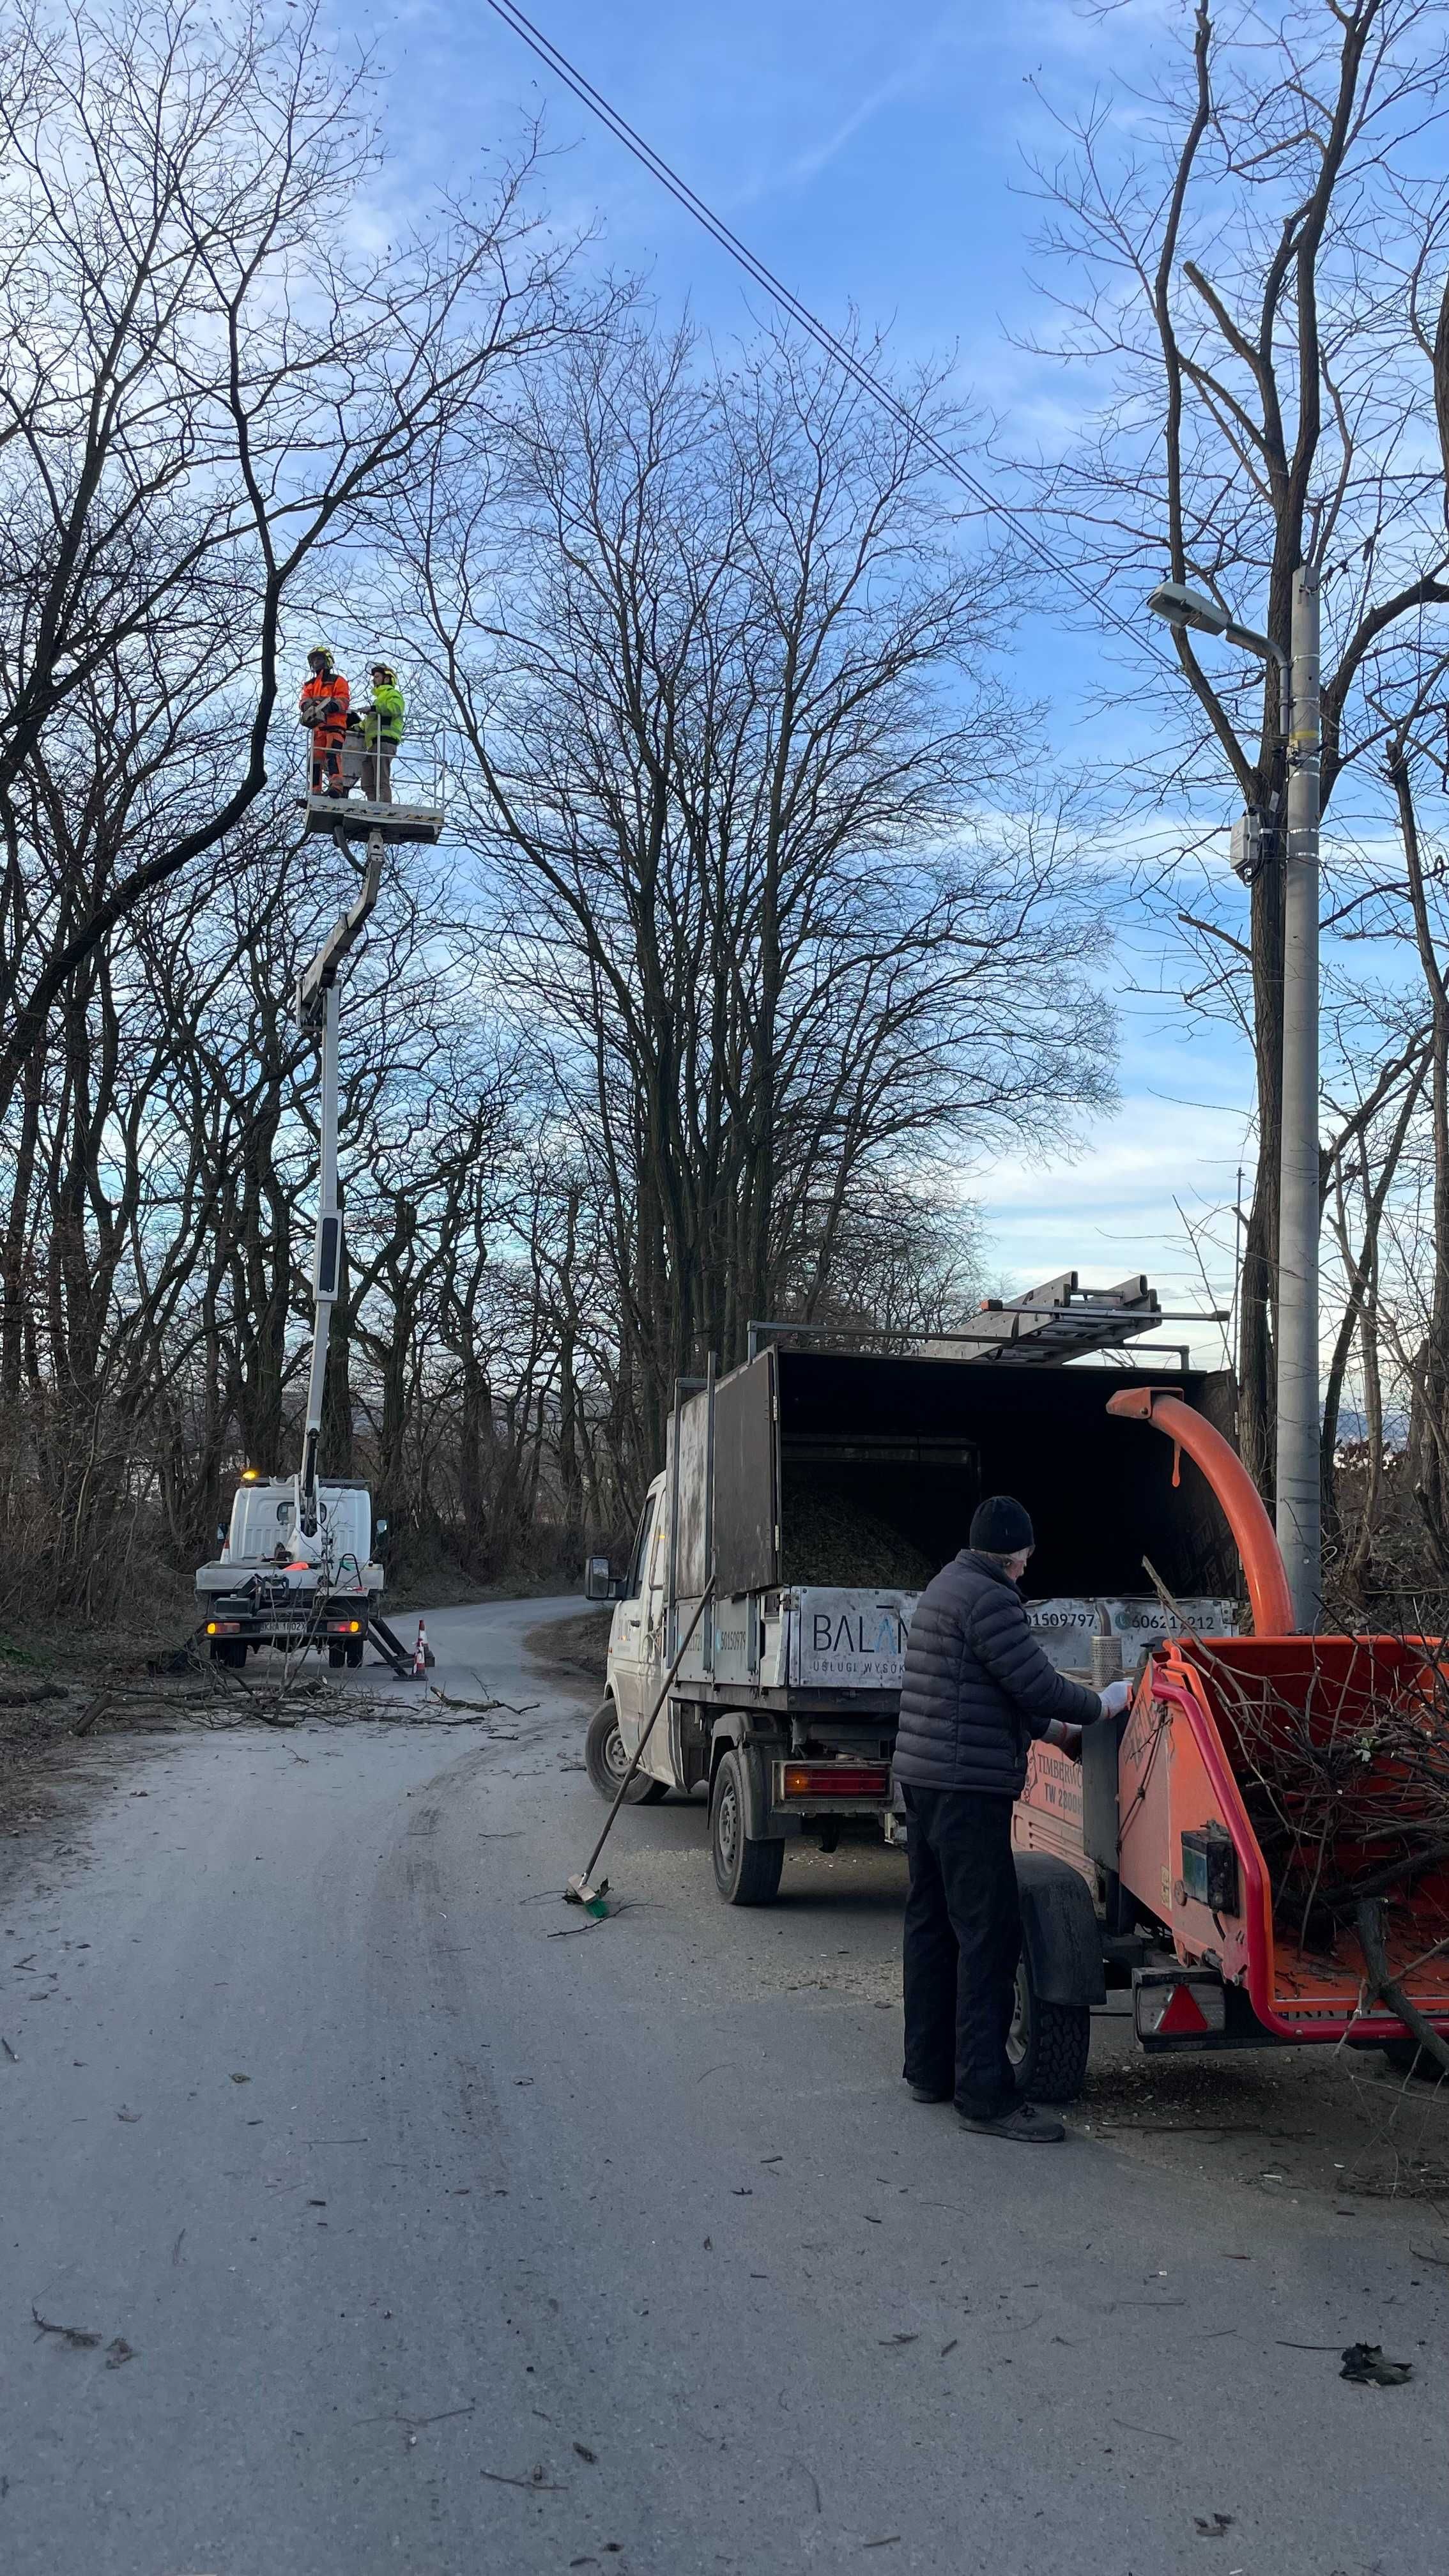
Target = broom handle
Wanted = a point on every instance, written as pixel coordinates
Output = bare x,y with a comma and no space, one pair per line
665,1688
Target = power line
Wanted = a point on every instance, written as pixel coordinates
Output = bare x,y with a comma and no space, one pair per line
583,89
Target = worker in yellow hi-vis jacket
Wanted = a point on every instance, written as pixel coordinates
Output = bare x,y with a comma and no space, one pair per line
382,725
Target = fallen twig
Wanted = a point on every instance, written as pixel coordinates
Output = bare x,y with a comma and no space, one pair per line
75,2338
480,1707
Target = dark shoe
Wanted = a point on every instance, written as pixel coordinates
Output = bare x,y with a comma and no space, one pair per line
929,2093
1023,2122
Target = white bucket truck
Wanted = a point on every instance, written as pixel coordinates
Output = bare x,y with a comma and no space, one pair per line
296,1567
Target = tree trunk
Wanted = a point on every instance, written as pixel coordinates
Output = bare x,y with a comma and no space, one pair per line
1429,1412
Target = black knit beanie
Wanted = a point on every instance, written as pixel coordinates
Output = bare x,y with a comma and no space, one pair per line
1001,1526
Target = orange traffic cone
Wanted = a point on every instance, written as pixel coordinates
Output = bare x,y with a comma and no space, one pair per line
420,1654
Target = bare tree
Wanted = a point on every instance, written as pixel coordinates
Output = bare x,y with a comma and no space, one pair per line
1248,263
753,819
207,386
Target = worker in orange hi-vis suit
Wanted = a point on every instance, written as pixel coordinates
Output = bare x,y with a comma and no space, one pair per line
322,710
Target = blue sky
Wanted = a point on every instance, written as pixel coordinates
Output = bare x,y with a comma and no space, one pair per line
874,156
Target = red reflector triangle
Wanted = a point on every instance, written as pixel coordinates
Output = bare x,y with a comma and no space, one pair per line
1184,2013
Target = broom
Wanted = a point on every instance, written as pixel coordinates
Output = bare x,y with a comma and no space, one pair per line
580,1890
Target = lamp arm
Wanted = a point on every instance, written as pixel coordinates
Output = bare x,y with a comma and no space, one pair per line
1248,640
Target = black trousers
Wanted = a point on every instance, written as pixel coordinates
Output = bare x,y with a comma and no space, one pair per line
962,1941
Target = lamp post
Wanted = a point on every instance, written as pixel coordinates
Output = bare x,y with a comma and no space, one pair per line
1298,1428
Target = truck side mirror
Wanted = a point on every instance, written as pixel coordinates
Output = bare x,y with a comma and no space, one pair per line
381,1528
600,1581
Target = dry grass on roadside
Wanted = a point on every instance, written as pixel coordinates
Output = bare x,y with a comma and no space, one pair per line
577,1644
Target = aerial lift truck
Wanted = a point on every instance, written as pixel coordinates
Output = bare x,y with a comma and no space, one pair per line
296,1568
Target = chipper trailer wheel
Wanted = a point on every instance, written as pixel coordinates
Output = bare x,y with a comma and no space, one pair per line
1406,2057
745,1872
1047,2044
606,1762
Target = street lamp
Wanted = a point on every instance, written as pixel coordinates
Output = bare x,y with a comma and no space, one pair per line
1183,606
1299,1507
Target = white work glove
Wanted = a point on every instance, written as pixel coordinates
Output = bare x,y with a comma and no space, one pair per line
1116,1697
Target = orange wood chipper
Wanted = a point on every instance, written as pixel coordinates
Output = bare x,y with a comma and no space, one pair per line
1257,1797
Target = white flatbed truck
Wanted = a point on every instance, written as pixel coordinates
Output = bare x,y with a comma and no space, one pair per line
809,1479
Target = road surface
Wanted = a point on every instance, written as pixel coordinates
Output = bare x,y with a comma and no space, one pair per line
410,2226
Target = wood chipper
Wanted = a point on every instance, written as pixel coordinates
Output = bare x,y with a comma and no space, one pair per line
1263,1832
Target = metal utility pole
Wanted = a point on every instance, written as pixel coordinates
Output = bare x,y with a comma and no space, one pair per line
1296,1465
1299,1505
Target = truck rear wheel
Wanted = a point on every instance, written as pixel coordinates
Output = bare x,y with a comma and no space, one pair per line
606,1762
354,1652
229,1650
1048,2044
745,1872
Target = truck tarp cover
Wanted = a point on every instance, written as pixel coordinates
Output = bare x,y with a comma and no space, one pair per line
917,1442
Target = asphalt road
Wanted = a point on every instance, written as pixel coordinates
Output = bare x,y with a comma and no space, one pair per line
412,2236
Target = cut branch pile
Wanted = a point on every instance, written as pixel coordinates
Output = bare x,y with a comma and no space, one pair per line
1347,1792
1347,1789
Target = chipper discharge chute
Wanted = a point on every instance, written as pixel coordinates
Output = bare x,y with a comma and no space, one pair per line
1272,1825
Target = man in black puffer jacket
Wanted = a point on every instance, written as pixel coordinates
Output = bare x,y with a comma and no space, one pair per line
977,1690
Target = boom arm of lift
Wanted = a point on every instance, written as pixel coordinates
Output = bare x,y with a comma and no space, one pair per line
1242,1504
317,1016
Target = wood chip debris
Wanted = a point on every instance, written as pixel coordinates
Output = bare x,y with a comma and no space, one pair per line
1365,2365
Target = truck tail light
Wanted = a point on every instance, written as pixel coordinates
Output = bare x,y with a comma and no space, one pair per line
833,1780
344,1627
223,1627
1188,2006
